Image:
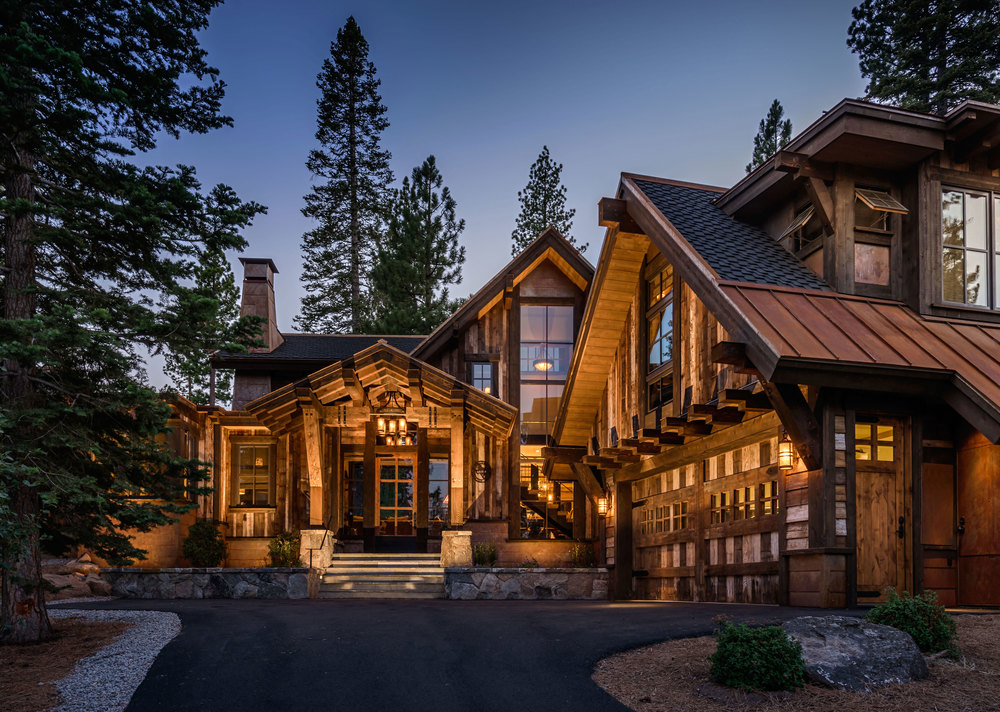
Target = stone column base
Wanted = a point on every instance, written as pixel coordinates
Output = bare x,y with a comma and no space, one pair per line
456,549
316,550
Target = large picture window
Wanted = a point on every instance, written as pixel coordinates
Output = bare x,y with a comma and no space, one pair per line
546,350
255,475
970,237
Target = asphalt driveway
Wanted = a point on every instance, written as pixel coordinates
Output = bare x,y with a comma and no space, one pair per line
406,655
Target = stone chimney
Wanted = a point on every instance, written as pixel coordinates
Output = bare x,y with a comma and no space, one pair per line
258,299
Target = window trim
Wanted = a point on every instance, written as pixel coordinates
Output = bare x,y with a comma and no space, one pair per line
992,251
663,370
471,370
234,485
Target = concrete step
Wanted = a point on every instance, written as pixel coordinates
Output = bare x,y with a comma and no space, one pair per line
389,557
397,586
415,595
386,570
380,580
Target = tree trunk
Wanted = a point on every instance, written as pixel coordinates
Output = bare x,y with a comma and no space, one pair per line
22,604
23,618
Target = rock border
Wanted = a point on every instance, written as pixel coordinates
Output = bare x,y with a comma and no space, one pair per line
106,680
199,583
500,584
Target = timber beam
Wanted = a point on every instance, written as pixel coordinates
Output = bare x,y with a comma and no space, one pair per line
799,420
613,213
801,165
749,402
604,463
566,455
734,354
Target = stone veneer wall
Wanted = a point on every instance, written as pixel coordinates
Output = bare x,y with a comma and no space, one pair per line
212,583
526,584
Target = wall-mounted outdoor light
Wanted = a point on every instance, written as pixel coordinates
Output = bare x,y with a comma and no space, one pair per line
602,506
786,452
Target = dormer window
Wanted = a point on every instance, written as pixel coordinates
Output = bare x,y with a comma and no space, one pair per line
873,233
802,231
970,259
873,208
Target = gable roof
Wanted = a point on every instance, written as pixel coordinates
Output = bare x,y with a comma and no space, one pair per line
377,369
733,249
549,245
308,349
791,333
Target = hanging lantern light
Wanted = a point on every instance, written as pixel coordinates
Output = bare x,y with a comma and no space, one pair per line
390,440
380,425
602,506
542,364
786,452
401,424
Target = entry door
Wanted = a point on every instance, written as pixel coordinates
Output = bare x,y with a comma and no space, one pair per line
395,517
979,524
882,528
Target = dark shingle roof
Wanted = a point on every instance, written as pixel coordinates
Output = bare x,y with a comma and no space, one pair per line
326,347
735,250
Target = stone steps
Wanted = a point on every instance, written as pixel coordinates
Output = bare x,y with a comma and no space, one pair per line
383,576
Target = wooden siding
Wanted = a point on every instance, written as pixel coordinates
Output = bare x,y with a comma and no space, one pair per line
736,560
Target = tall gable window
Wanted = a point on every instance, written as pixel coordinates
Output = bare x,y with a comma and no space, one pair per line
546,350
660,335
970,237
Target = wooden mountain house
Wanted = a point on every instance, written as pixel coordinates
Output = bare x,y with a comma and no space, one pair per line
787,391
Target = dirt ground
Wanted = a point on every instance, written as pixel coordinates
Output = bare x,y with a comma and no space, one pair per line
674,676
28,672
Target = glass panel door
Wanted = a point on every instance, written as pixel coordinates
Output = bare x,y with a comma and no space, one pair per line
395,498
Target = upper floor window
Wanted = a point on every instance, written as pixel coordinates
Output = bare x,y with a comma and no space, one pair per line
481,376
970,237
660,315
546,350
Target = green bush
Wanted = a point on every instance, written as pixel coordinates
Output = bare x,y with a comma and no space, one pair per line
484,554
756,658
581,555
283,550
203,546
921,616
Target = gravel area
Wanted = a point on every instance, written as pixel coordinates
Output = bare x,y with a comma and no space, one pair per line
105,681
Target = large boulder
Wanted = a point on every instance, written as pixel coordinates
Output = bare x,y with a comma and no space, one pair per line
69,586
853,654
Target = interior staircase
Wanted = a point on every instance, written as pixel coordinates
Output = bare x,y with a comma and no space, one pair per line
383,576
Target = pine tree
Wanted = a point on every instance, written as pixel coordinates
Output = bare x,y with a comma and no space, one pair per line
96,253
928,55
419,256
773,133
212,308
349,201
543,203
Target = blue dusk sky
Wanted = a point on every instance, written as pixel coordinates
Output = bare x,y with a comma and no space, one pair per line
671,89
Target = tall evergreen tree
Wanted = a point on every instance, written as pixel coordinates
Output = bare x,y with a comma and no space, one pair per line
95,253
349,201
928,55
543,203
419,256
773,133
212,306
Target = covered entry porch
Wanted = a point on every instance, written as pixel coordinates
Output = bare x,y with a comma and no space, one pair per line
380,452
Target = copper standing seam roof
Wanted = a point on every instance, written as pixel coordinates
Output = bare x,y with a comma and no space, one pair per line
826,326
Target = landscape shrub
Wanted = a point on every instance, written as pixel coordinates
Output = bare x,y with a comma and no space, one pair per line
756,658
923,617
530,563
484,554
581,555
203,546
283,550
